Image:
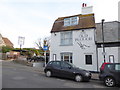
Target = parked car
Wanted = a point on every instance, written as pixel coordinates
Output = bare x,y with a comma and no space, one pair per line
36,58
110,74
66,70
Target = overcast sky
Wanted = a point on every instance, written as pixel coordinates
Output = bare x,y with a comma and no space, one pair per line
33,19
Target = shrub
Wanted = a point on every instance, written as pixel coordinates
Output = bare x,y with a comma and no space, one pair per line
6,49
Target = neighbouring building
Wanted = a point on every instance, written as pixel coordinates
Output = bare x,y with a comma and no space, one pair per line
77,39
1,41
5,42
111,42
119,11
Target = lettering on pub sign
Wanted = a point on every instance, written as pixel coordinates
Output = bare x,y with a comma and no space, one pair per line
83,37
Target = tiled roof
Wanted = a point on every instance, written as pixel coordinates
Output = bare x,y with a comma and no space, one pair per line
7,42
85,22
111,32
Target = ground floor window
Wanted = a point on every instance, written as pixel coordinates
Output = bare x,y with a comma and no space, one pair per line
54,57
88,59
111,58
67,57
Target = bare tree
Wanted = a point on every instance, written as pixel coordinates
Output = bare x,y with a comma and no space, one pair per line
39,44
43,42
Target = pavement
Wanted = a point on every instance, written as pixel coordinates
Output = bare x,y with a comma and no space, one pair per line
95,76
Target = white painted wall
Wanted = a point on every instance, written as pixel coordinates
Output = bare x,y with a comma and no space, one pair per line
109,51
78,53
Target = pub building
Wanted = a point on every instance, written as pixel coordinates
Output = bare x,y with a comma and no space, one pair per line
79,40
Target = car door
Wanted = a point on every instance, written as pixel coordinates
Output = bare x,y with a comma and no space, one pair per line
56,68
117,72
66,70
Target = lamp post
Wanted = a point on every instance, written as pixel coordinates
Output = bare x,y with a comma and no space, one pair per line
103,39
45,48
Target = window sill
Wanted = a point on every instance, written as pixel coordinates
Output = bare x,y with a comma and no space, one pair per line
89,64
67,45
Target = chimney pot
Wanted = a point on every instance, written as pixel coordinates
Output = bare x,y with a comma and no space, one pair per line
83,4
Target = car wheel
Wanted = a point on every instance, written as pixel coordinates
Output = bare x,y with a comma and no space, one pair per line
109,81
78,78
48,73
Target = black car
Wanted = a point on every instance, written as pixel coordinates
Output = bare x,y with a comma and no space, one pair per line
110,74
36,58
66,70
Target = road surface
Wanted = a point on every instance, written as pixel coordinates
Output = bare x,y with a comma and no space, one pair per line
21,76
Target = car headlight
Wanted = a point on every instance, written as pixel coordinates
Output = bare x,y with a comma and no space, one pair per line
87,74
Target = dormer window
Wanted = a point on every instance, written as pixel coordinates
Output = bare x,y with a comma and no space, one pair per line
71,21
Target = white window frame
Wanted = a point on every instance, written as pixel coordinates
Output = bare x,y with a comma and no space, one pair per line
74,20
71,21
54,57
111,58
89,59
66,38
67,22
69,55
